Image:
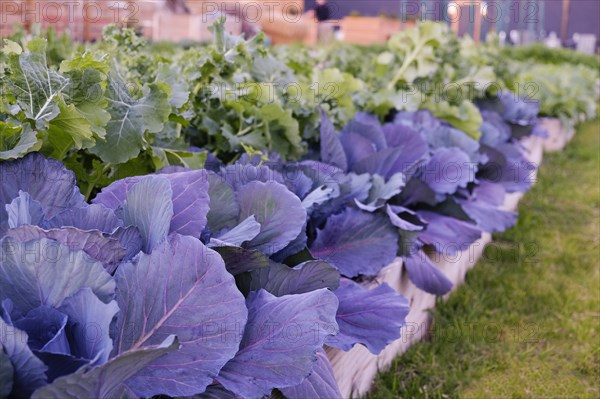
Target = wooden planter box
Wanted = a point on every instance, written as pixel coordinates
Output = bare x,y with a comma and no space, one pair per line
368,30
179,27
390,26
283,31
7,26
558,134
355,370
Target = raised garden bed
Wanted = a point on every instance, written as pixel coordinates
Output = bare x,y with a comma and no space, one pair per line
370,30
244,230
355,370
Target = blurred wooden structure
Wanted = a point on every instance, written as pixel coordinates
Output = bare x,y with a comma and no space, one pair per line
85,19
181,27
371,30
284,21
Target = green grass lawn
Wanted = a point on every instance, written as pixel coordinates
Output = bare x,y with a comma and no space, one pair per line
526,322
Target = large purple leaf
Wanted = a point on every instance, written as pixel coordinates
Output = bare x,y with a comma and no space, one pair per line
45,180
72,336
115,194
352,188
130,239
217,391
182,288
446,234
23,210
248,229
507,165
418,120
189,199
321,173
320,195
338,189
280,342
369,317
491,193
148,207
361,137
29,371
494,130
407,148
482,206
406,138
521,113
382,190
441,135
6,374
332,151
295,179
95,244
320,383
8,311
60,364
411,222
239,260
224,209
298,244
45,272
278,210
123,392
282,280
356,242
369,126
382,163
45,328
190,202
447,170
88,326
102,382
245,171
425,275
92,217
417,191
357,147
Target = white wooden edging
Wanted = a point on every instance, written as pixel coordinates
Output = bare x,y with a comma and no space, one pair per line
558,134
356,369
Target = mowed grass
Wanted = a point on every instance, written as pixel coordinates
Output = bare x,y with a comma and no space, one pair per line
526,323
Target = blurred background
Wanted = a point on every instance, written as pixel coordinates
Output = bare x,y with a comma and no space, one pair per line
568,23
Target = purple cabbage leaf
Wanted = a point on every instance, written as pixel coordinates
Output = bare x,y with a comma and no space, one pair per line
181,289
281,341
320,383
372,317
356,242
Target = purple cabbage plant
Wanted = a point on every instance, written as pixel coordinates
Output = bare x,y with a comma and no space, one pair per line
232,280
183,283
414,185
507,118
520,113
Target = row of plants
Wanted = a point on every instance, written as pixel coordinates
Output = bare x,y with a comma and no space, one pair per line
539,53
199,222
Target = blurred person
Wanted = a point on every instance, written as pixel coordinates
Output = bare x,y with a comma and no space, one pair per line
323,16
322,11
177,6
